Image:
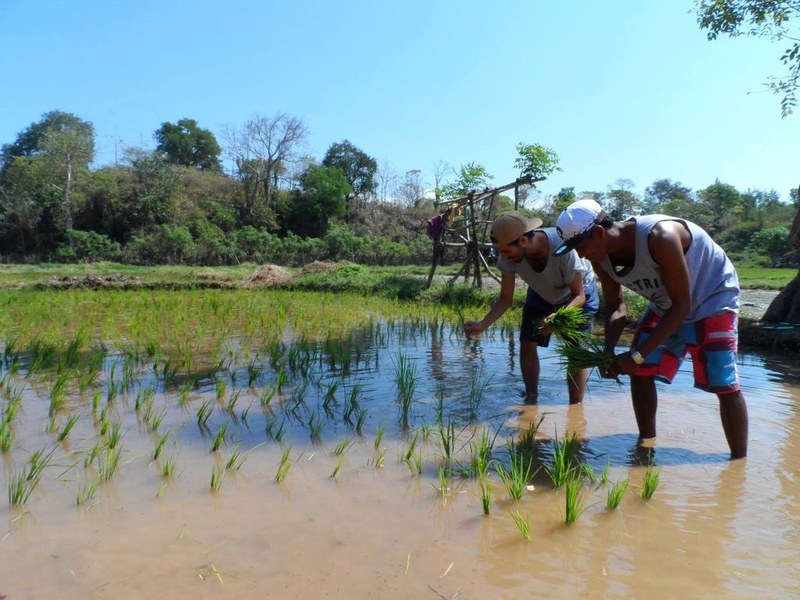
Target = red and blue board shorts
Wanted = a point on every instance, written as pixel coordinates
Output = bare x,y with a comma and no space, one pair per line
711,342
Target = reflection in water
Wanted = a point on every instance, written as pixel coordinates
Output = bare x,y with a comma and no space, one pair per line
714,528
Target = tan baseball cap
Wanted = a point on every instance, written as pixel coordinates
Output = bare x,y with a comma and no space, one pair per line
511,226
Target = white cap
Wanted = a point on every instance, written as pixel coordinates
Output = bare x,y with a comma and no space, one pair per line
576,222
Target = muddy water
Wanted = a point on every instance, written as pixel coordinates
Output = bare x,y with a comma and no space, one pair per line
713,529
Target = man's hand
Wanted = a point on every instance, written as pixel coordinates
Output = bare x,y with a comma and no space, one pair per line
474,327
622,364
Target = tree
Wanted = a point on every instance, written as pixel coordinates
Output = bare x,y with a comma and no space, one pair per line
359,168
722,203
263,150
535,160
411,191
188,145
29,141
621,200
469,177
760,18
322,195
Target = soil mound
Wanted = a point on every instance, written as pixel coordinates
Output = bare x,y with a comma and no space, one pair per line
322,266
94,282
267,275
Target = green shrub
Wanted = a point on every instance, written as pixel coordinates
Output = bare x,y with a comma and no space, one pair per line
88,246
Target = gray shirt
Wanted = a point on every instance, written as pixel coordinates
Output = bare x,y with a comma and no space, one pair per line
552,282
713,281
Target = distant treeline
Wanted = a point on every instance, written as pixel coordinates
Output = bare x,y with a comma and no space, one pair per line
175,204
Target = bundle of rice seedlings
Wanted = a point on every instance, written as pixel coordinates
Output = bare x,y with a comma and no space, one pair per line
587,353
566,322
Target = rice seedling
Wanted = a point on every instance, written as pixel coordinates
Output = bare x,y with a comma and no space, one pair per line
104,421
485,484
527,439
6,436
86,492
266,397
204,412
412,446
615,494
235,460
114,434
316,424
43,356
650,483
58,394
160,446
284,466
574,500
523,523
216,478
330,396
566,322
477,394
519,473
221,387
232,402
219,439
588,471
443,476
406,380
564,462
337,467
605,472
37,463
65,430
253,372
107,464
342,446
184,394
482,451
589,353
447,435
92,454
360,420
19,489
168,467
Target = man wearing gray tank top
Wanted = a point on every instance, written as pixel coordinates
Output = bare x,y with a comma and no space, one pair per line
526,250
693,291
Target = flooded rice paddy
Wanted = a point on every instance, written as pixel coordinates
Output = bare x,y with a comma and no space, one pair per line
265,445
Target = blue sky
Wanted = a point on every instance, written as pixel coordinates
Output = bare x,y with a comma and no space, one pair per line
626,89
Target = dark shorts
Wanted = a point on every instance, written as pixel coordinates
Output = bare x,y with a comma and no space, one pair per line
537,308
711,343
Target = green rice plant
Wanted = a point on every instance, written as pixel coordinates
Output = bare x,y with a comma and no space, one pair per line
574,499
58,394
184,394
96,402
64,433
266,397
650,483
360,420
284,466
482,451
342,446
589,353
316,424
219,439
443,475
605,472
447,435
406,380
216,478
485,483
233,402
615,494
564,463
19,489
281,377
114,434
43,356
527,439
519,473
235,460
588,471
107,464
337,467
477,394
440,393
86,492
37,463
204,412
160,446
412,446
168,467
523,523
92,454
104,420
352,403
566,323
6,436
253,372
379,433
221,387
330,396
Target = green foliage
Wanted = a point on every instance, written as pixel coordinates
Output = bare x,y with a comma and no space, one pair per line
188,145
770,243
469,177
358,167
761,18
89,246
536,160
322,195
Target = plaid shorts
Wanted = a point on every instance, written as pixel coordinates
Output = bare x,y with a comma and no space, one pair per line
711,342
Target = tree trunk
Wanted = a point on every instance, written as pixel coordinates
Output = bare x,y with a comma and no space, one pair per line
785,308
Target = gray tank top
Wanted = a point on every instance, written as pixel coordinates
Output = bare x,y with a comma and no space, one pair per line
713,281
552,282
